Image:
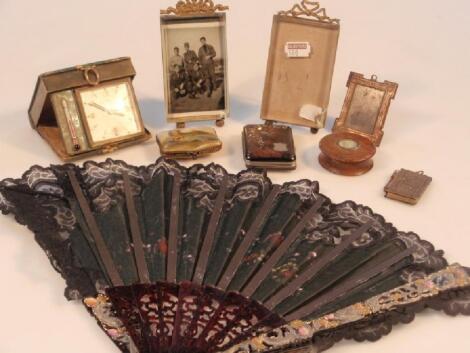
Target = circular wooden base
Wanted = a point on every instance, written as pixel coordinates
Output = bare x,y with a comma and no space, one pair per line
347,169
346,154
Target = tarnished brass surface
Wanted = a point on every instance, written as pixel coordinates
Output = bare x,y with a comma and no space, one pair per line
310,8
193,7
188,143
407,186
366,107
88,109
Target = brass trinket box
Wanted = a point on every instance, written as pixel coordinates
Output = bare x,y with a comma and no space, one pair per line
88,109
407,186
188,143
269,146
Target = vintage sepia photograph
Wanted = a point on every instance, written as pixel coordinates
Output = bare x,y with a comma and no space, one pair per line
195,66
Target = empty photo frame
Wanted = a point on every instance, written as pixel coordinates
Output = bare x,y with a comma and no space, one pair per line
300,66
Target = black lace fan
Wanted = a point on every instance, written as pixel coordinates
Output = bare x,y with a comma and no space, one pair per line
173,259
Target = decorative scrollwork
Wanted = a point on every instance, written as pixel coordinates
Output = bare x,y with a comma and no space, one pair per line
310,9
194,7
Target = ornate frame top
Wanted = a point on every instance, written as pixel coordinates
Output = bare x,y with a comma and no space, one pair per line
194,7
310,8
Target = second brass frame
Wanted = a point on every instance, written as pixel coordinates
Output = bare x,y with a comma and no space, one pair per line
373,113
292,83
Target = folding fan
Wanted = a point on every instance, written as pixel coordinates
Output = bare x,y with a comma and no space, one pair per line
174,259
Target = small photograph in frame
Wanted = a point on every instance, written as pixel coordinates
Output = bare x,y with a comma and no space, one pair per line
195,67
366,107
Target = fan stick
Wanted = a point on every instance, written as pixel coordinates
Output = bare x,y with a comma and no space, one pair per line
268,266
348,285
265,325
103,251
226,241
142,268
248,312
309,273
384,274
185,290
306,293
316,267
210,235
171,267
248,239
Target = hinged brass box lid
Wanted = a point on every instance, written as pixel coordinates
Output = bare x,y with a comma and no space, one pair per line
60,109
269,146
407,186
73,77
188,143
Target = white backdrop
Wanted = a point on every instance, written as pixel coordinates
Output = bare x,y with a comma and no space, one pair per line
421,44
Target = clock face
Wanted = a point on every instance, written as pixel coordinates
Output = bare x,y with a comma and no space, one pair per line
110,112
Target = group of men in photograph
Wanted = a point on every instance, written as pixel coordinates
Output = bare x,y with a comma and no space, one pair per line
193,74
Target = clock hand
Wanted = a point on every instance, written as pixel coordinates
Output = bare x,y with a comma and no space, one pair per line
100,107
115,112
97,106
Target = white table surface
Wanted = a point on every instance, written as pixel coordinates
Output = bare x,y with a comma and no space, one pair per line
422,45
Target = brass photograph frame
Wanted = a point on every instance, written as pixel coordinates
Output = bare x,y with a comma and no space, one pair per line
389,90
187,12
135,109
317,24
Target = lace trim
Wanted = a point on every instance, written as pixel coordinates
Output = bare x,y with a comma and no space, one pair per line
305,189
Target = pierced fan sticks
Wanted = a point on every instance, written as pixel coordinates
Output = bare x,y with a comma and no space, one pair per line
248,239
104,253
316,267
171,267
135,232
210,235
267,267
